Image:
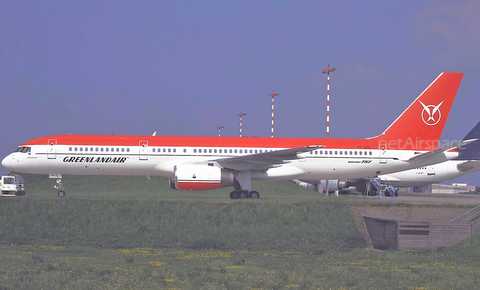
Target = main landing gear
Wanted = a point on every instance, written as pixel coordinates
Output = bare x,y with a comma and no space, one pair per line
59,186
244,194
242,185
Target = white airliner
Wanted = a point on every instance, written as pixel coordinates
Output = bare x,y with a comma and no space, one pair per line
467,162
202,163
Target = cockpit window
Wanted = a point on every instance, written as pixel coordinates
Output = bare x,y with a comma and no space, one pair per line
23,149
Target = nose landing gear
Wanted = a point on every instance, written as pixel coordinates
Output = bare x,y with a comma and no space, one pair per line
59,186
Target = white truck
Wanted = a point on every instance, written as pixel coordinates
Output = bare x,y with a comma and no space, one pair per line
12,185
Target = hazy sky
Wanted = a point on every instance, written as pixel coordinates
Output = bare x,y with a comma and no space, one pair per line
186,67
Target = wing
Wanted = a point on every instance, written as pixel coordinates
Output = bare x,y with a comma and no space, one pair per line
264,161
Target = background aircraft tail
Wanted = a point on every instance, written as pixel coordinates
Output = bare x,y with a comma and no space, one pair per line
419,127
471,151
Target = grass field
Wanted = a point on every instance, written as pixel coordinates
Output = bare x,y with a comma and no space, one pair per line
134,233
73,267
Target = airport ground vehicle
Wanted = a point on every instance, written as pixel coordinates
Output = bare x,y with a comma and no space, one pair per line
12,185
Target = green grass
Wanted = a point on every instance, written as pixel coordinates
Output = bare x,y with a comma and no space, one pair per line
135,233
157,223
48,267
154,187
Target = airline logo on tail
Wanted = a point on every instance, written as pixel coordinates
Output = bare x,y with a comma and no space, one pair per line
431,114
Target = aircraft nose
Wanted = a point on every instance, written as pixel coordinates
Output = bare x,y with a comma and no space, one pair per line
7,162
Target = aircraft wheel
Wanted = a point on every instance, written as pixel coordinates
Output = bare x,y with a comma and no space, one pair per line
243,195
254,195
234,194
61,193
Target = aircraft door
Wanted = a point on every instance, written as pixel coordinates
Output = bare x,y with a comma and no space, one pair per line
143,149
52,149
383,153
430,170
302,157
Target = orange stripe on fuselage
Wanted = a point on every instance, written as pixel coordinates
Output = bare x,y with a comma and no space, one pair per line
179,141
239,142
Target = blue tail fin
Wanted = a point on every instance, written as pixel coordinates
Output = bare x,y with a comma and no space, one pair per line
471,151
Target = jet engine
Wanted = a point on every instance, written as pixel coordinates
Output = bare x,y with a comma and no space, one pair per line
334,185
198,177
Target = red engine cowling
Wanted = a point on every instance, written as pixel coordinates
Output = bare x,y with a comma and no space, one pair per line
198,177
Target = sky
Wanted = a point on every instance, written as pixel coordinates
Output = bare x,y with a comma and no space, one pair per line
187,67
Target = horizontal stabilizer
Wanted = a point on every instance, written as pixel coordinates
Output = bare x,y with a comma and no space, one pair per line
427,155
469,165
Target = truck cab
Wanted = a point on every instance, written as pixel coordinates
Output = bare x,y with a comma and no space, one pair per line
12,185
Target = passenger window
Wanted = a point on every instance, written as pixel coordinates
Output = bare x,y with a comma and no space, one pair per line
81,149
70,149
235,150
340,153
215,151
106,149
169,150
360,153
370,152
184,150
174,150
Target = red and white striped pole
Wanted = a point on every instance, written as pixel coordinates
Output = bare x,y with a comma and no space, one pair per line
328,70
272,95
328,105
219,128
241,118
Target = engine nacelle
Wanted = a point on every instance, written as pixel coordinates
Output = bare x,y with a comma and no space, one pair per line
334,184
198,177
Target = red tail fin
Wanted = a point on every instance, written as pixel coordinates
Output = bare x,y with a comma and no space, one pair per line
421,124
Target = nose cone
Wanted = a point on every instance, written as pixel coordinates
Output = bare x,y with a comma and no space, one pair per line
7,162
